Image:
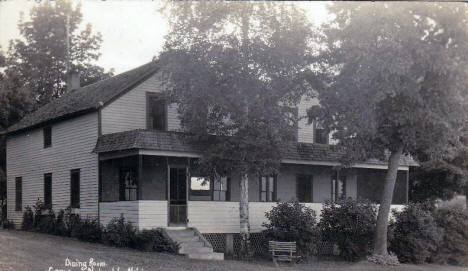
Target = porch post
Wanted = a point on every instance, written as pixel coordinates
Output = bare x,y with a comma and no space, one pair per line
407,185
140,175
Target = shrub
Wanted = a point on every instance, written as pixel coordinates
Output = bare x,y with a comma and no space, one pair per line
28,219
72,223
292,221
152,240
7,224
415,234
453,249
390,259
60,226
45,223
88,230
119,233
350,224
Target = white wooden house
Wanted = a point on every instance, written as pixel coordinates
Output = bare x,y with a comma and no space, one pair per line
115,147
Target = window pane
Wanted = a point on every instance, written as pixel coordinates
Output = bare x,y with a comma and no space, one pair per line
19,193
158,113
75,189
199,183
264,184
263,196
271,184
47,133
48,190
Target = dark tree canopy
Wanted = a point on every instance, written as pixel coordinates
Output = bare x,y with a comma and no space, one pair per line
397,77
237,70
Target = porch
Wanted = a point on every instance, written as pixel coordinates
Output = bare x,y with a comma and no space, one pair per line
160,191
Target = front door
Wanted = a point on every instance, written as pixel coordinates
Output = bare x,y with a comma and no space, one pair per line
177,196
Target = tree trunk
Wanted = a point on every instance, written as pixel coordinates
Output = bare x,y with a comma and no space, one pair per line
244,216
380,240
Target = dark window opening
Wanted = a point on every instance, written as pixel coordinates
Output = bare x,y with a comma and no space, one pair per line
338,186
47,131
128,184
19,194
75,188
267,188
157,112
304,188
48,191
221,191
321,136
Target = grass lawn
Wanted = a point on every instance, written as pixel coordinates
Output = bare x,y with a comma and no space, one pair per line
33,251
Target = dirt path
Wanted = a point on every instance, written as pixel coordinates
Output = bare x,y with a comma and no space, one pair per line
33,251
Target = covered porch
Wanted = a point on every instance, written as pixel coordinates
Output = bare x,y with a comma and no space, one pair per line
153,189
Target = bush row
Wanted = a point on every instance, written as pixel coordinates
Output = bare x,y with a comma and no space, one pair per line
118,232
420,233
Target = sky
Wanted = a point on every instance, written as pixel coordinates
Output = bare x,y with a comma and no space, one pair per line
132,31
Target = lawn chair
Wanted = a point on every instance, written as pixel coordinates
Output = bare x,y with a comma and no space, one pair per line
283,252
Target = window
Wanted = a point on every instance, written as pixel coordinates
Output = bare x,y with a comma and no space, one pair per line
48,191
157,112
75,188
338,186
221,189
304,188
128,184
19,193
47,131
200,186
320,136
267,188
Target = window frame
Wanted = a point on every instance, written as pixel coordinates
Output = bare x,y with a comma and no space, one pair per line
337,177
75,198
267,187
227,191
201,192
47,136
123,187
149,117
48,199
19,194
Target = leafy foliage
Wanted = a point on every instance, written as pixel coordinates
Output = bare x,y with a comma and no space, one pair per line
88,230
350,224
292,221
235,69
119,233
416,234
28,219
453,249
152,240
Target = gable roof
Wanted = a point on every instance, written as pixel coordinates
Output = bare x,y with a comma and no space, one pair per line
85,99
177,142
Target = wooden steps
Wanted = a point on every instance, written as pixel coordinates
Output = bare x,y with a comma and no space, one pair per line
192,244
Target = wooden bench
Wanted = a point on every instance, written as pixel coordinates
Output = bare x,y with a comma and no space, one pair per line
282,251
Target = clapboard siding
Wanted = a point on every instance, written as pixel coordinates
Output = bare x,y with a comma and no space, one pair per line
143,214
110,210
72,145
128,112
214,216
152,214
306,131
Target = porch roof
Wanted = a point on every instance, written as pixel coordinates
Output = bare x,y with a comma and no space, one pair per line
169,141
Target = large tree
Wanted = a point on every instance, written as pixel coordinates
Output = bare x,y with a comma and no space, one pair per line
236,70
396,77
53,43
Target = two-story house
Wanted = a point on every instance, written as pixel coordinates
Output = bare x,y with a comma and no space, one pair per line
115,147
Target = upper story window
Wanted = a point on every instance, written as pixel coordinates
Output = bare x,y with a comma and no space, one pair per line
157,111
304,188
47,132
267,188
320,134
